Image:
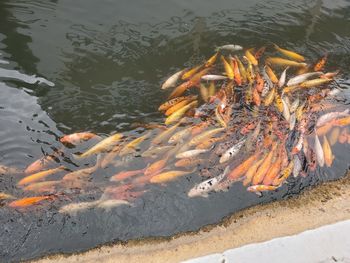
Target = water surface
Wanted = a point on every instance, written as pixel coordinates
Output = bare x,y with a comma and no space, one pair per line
107,61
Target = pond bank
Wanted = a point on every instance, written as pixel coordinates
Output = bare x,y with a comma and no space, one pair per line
325,204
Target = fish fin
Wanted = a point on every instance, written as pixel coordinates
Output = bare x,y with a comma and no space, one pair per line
205,195
99,160
77,156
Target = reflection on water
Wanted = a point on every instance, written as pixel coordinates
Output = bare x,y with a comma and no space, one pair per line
107,61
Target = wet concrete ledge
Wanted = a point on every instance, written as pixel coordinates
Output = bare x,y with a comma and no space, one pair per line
328,243
325,204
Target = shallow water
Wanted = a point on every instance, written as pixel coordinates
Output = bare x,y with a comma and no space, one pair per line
107,61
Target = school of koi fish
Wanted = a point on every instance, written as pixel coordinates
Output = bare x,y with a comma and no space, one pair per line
250,116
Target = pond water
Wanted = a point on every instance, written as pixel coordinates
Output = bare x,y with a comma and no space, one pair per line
97,66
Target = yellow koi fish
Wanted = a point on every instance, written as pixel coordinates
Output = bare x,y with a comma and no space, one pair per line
290,54
38,176
102,146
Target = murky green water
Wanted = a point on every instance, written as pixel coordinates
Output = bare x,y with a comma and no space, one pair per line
107,61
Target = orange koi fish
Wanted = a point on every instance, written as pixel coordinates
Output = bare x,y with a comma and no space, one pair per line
286,172
179,90
185,162
241,169
252,170
321,63
256,97
168,104
264,168
38,176
28,201
168,176
156,167
39,165
271,74
260,52
259,82
179,105
125,174
273,172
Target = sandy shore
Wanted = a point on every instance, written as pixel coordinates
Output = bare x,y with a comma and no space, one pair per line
324,204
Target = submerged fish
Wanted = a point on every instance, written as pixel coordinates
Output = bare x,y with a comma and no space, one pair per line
285,173
165,135
157,150
201,137
264,168
9,170
4,196
186,162
297,166
303,77
286,113
251,58
241,169
314,83
83,173
180,112
125,174
191,153
168,104
39,165
228,68
327,150
168,176
179,105
74,208
252,171
112,203
232,152
271,74
319,151
103,145
203,188
284,62
131,146
78,137
40,187
28,201
290,54
331,116
321,63
39,176
282,79
229,47
213,77
171,81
